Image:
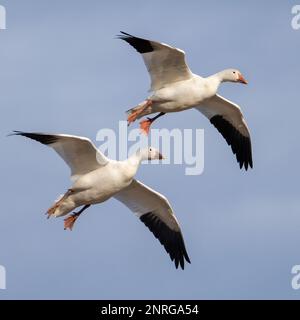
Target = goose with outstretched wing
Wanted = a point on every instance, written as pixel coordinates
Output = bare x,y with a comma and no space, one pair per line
97,179
175,88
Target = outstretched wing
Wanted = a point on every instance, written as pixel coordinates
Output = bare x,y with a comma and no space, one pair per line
79,153
227,117
155,212
165,64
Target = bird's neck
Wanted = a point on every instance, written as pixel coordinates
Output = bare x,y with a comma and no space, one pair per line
133,162
214,81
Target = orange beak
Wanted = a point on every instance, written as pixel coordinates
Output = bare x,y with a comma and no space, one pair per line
241,79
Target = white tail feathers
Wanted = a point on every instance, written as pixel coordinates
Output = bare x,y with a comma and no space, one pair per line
62,205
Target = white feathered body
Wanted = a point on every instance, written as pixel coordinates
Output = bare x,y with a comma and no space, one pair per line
182,95
98,186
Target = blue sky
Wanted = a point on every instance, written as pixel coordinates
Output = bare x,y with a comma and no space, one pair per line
62,70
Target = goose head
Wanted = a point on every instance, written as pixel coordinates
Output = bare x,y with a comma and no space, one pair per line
150,153
232,75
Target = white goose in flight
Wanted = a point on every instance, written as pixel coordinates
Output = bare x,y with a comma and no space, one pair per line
175,88
97,178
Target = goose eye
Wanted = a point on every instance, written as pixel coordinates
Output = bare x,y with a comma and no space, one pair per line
234,72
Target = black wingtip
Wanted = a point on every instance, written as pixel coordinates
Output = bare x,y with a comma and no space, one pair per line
15,133
240,144
124,35
171,240
40,137
187,258
246,164
139,44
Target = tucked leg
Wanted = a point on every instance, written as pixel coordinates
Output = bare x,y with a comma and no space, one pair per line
137,111
69,221
145,124
52,210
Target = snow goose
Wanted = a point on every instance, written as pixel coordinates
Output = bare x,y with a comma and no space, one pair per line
97,178
175,88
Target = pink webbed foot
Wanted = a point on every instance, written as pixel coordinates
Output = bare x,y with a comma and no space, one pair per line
145,126
69,221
